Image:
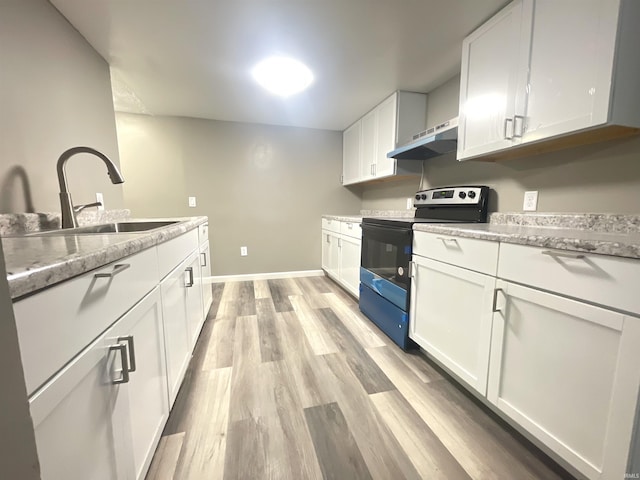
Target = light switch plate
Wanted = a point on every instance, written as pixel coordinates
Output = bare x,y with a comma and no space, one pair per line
192,201
409,203
530,201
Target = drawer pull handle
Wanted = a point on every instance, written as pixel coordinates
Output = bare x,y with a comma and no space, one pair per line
204,259
447,240
132,351
552,253
189,283
116,270
125,367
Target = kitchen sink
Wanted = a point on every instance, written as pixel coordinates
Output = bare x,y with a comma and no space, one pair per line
119,227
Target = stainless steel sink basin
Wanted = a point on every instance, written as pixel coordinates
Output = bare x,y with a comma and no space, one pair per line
120,227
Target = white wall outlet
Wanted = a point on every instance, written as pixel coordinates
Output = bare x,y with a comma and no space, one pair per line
192,201
100,198
243,251
409,203
530,201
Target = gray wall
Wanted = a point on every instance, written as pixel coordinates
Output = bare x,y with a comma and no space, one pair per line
595,178
264,187
55,93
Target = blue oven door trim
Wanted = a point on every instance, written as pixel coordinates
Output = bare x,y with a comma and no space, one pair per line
389,290
392,320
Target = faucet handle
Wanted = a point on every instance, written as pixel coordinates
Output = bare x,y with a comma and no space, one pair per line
79,208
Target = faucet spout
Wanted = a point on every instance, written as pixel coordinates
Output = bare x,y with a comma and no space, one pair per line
68,211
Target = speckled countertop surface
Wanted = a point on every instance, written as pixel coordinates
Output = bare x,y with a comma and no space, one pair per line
37,262
617,235
343,218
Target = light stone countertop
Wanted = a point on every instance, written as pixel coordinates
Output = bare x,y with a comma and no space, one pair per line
574,239
344,218
37,262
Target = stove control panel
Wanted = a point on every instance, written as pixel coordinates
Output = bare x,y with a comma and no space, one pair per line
451,196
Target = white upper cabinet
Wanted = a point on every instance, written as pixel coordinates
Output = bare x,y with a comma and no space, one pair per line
390,124
351,153
489,82
552,71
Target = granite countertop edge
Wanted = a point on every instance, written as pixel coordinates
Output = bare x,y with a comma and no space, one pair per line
616,244
28,278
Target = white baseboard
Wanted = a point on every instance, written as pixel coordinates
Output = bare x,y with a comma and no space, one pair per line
262,276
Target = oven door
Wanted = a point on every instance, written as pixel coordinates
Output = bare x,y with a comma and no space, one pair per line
386,253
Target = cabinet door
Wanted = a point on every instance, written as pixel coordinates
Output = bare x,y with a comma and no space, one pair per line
567,372
175,313
81,420
386,120
494,61
351,153
326,249
369,143
194,298
142,331
570,66
350,264
450,317
205,271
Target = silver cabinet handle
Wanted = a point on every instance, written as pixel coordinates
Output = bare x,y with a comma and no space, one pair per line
447,240
328,238
495,300
116,270
506,121
339,243
123,358
515,126
132,351
204,259
552,253
189,270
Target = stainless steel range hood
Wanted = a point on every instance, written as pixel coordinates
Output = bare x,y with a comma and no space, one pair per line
434,141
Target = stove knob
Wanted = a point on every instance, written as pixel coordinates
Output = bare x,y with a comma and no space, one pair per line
417,197
462,195
472,194
423,196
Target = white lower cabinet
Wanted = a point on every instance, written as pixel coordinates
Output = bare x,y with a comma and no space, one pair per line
193,291
451,317
176,305
350,263
101,416
567,372
341,247
205,270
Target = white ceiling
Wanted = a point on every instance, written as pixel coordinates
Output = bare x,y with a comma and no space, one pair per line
193,57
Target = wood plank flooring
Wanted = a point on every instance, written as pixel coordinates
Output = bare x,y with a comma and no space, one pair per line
290,381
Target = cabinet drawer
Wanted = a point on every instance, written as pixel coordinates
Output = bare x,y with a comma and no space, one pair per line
331,225
203,233
478,255
601,279
171,253
57,323
351,229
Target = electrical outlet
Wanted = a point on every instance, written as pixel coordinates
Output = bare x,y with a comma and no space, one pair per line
409,203
530,201
243,251
100,198
192,201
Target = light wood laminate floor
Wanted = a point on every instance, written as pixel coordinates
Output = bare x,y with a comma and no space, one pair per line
290,381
